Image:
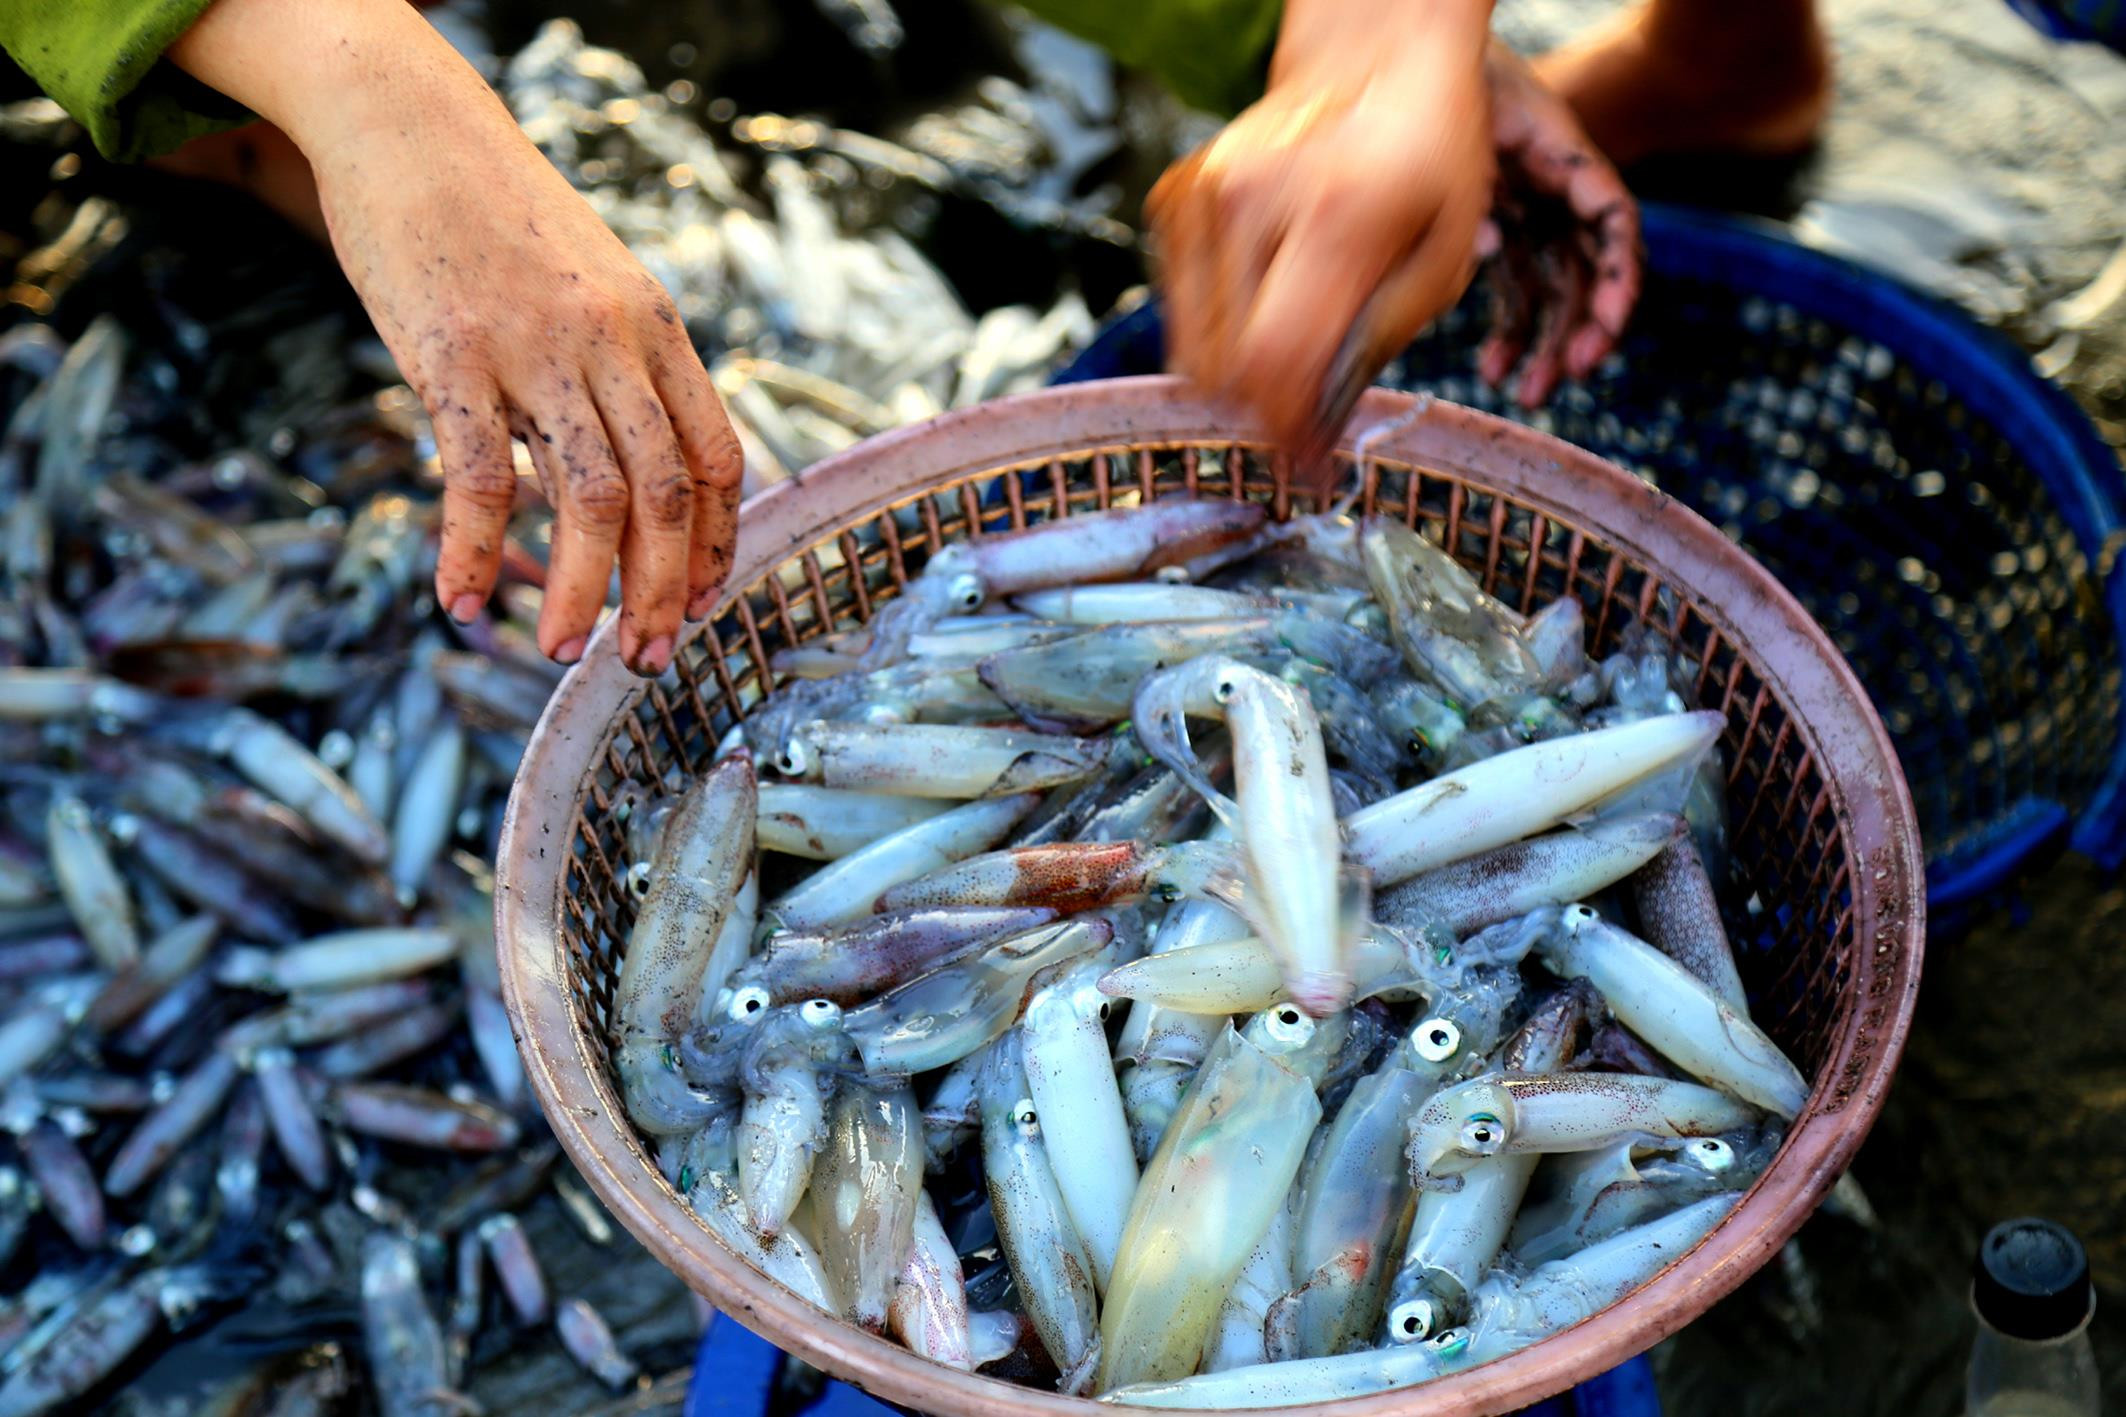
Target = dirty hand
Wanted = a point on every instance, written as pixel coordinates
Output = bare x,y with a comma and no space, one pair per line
1343,205
509,307
1563,239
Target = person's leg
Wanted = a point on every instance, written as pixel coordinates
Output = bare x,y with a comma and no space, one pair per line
1672,76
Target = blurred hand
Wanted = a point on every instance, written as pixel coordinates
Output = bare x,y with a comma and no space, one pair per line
1330,222
1563,239
509,307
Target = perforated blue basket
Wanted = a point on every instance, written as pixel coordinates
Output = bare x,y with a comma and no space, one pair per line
1952,519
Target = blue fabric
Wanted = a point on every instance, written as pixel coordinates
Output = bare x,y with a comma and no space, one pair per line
2101,21
735,1370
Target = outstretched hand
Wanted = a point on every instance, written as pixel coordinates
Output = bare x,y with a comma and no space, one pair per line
511,310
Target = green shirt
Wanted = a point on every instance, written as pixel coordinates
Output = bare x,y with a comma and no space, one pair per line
1213,54
102,59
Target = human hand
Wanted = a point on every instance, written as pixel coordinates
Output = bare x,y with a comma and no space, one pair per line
509,307
1330,222
1562,238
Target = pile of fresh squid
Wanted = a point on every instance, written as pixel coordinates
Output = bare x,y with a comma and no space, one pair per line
1246,965
254,1063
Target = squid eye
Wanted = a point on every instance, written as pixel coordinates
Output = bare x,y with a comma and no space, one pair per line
1451,1343
749,1003
1483,1135
1289,1026
1436,1040
1713,1154
336,749
1106,1008
1023,1116
1224,690
1410,1321
820,1013
1578,915
638,880
794,759
966,592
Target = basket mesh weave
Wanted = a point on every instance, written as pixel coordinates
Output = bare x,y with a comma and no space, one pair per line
1918,537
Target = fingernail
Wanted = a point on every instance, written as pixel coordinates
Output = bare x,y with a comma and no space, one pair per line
464,608
656,654
570,651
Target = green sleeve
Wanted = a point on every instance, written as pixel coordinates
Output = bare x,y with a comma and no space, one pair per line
1213,54
101,60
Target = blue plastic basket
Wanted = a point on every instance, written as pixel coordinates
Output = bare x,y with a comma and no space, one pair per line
1952,519
736,1372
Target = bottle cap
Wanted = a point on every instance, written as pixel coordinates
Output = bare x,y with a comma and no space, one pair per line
2031,1279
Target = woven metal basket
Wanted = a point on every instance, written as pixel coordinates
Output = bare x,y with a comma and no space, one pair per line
1823,828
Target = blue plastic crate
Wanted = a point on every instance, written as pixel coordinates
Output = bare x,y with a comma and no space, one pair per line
735,1370
1951,518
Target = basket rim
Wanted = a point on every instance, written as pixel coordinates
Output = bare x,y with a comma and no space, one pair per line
1827,708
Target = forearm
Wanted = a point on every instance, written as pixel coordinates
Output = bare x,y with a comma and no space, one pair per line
1343,33
328,75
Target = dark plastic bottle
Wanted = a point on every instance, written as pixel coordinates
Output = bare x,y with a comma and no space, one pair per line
2030,1288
